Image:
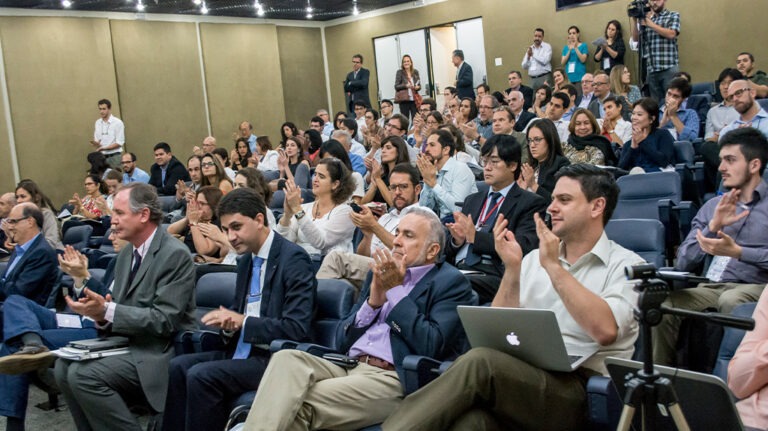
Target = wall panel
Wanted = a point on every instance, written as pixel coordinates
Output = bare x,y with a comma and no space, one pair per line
303,73
57,69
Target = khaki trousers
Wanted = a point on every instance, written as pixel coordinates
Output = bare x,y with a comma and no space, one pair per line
345,266
301,391
721,296
486,389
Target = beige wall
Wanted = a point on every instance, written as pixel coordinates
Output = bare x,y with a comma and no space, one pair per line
303,74
709,40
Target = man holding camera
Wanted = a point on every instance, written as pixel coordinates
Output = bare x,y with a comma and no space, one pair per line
660,29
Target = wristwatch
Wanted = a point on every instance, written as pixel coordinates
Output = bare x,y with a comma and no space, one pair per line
299,215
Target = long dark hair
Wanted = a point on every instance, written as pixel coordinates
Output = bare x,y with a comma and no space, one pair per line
554,147
472,108
98,163
619,37
402,153
243,160
333,148
294,131
339,172
38,197
651,107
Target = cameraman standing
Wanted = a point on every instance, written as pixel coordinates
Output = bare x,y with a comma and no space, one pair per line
660,29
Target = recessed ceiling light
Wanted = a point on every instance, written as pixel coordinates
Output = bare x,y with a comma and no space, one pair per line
140,6
204,9
66,3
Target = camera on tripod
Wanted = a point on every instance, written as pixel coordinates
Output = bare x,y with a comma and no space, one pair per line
638,9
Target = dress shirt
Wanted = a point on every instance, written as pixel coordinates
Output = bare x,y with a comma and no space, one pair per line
484,129
561,125
455,181
462,253
375,341
749,233
569,114
539,63
601,271
690,120
390,221
252,143
138,176
759,122
109,132
109,315
264,255
19,252
659,52
358,163
357,148
328,129
585,99
333,231
718,117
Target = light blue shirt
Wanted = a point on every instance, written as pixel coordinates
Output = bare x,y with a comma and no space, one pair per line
20,250
138,176
455,181
690,120
252,143
759,122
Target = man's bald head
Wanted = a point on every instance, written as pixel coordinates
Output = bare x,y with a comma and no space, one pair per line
7,201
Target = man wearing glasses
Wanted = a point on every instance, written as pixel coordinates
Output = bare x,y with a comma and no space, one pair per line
481,128
131,173
471,244
742,95
32,267
356,84
601,90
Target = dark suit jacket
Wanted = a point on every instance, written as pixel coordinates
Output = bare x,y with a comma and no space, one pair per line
102,287
158,303
527,96
547,177
357,87
287,296
525,118
465,82
518,208
176,171
34,275
423,323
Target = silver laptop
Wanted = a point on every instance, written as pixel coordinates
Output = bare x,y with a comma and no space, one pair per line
705,400
528,334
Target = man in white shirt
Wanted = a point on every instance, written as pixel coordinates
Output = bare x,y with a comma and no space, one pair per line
108,134
446,180
586,90
537,60
578,273
405,188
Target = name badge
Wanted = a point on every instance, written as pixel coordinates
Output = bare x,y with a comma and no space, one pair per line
571,67
717,267
254,308
606,62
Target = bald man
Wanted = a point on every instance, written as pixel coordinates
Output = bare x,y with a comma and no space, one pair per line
7,201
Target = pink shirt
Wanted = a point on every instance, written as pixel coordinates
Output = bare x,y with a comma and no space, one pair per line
748,371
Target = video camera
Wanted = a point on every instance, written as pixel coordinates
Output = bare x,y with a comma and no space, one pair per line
638,9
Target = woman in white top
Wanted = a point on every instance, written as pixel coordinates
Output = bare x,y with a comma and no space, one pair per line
323,225
612,125
266,157
333,148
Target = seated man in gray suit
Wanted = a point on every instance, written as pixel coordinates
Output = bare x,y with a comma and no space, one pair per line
152,299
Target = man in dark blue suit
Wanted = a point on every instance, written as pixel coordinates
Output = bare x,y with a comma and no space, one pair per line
471,244
464,77
356,84
407,307
30,330
31,270
275,299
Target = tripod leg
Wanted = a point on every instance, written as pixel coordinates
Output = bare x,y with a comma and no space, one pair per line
677,415
627,413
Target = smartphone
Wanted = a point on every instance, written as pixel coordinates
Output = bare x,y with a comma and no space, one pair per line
343,361
355,207
548,220
281,184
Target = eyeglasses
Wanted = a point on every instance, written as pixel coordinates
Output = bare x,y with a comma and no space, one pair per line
485,107
600,83
736,93
207,164
488,161
392,126
401,187
13,221
537,140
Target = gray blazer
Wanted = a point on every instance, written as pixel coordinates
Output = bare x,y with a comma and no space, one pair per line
401,80
157,304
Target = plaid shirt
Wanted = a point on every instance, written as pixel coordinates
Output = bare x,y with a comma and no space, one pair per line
660,52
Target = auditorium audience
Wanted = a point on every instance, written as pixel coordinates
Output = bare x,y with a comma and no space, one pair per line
333,149
545,159
559,78
750,112
28,191
202,210
585,143
287,130
393,152
92,205
613,126
651,149
682,123
292,165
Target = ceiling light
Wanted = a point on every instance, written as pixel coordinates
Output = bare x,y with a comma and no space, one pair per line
204,9
140,6
309,8
259,8
197,2
355,11
66,3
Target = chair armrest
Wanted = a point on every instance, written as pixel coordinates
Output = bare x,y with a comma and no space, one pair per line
278,345
206,341
182,342
419,370
315,349
604,404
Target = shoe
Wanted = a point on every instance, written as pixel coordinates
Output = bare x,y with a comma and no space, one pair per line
31,357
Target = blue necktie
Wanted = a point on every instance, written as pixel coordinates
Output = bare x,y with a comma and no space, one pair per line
254,295
472,258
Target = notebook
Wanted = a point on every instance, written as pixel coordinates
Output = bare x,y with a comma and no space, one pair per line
528,334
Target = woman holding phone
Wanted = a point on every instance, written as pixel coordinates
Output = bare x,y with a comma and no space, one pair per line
407,86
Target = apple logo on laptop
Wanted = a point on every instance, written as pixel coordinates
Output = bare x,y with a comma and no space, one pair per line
512,339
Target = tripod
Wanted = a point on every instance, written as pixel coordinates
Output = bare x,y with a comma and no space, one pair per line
649,390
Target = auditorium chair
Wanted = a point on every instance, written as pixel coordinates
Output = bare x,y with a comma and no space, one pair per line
77,237
643,236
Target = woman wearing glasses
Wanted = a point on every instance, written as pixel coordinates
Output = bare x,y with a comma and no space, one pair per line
214,173
91,207
545,158
394,150
324,224
28,191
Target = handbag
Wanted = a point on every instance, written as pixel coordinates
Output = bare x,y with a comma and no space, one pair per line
402,96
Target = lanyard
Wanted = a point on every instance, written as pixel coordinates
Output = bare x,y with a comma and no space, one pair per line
487,213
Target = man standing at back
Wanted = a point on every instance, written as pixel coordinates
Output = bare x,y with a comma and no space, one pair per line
660,28
274,299
108,134
537,60
152,299
167,171
356,84
464,76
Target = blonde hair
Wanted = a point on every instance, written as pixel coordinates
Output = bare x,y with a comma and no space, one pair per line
617,86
